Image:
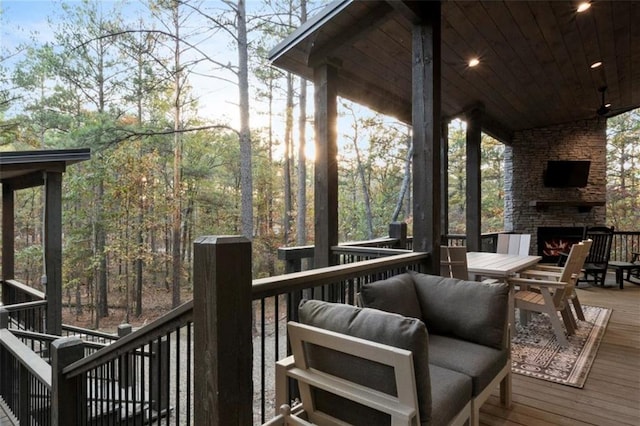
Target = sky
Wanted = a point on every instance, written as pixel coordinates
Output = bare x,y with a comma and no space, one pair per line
23,20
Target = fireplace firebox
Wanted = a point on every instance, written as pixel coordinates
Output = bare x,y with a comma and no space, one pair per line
554,240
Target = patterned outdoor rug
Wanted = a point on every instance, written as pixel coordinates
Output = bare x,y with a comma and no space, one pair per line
536,353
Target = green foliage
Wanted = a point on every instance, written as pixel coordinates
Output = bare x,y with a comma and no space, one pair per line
623,171
492,184
371,168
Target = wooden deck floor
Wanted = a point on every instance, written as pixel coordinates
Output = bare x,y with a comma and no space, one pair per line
611,394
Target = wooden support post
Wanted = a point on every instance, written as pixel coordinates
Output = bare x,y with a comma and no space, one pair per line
398,230
223,359
426,120
8,238
444,196
326,166
66,394
53,251
474,192
4,317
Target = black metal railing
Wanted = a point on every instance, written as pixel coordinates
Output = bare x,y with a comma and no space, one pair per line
28,315
25,382
145,377
624,244
90,335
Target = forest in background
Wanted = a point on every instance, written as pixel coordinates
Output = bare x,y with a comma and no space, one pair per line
131,81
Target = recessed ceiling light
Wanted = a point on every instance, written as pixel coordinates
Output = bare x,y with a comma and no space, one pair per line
596,64
607,105
584,6
474,62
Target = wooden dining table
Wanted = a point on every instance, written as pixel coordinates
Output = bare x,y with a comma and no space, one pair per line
501,267
497,265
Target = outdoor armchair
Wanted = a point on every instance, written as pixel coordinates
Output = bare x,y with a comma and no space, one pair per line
538,292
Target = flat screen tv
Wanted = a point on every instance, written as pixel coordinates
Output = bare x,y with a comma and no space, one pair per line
567,173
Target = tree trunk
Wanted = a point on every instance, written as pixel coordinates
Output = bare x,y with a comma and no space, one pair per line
365,190
103,307
177,166
246,179
405,184
288,145
301,224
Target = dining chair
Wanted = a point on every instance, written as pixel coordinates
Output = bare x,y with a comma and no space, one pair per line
453,262
513,244
554,272
550,292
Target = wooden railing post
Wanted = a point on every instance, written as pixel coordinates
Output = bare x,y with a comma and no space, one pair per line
223,357
4,323
398,230
4,318
65,395
126,366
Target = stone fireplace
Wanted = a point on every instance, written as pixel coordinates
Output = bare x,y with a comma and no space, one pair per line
560,214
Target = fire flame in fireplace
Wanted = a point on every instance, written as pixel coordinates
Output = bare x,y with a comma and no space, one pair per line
555,247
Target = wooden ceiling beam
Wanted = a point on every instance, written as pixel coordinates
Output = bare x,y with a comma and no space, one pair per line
30,180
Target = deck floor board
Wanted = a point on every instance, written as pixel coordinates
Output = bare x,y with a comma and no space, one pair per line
611,394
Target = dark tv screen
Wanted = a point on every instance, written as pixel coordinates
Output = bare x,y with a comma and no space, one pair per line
567,173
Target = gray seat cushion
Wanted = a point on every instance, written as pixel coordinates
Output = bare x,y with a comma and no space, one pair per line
470,310
479,362
396,294
374,325
450,391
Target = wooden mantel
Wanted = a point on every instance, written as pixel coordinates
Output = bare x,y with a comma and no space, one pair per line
583,206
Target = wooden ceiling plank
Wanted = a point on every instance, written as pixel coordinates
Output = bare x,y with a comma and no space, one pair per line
526,19
635,53
375,17
584,89
506,35
561,68
502,15
593,52
620,37
352,87
479,82
497,51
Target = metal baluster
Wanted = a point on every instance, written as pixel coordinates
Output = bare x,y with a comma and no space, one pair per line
189,362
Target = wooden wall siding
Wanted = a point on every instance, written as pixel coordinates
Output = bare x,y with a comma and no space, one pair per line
535,58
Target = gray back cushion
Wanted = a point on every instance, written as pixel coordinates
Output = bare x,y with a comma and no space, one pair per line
378,326
396,294
470,310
